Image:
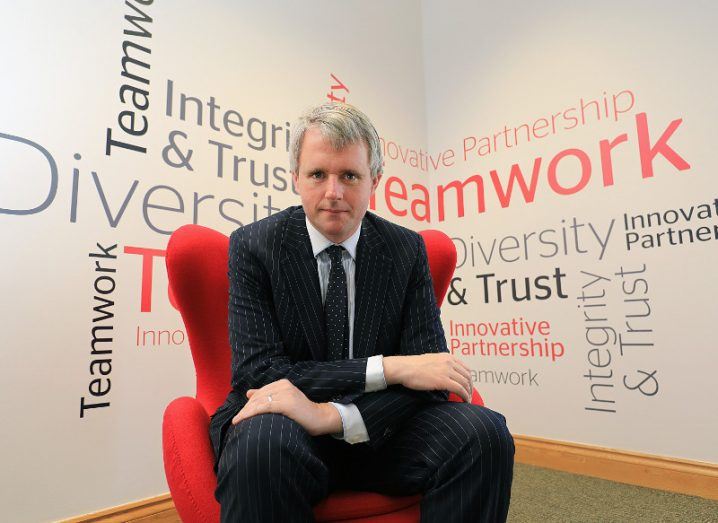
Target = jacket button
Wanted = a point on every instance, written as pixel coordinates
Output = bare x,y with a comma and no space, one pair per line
387,432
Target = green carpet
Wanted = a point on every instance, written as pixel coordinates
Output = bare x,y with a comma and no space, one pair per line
545,496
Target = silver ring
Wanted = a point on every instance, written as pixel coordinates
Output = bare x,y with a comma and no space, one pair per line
269,398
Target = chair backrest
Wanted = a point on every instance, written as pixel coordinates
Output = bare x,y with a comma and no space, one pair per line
197,268
441,252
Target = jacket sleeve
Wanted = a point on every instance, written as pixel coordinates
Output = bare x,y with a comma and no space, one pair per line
258,351
384,411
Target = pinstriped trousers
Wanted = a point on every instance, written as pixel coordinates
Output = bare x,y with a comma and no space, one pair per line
460,456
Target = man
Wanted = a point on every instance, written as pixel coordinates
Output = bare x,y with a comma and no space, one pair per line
340,369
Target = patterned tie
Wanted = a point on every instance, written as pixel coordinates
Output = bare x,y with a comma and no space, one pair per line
335,307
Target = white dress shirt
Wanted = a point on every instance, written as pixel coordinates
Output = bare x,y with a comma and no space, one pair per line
352,421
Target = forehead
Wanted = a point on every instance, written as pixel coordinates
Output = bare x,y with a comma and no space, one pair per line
317,149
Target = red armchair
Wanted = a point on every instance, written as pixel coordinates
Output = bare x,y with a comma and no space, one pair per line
197,267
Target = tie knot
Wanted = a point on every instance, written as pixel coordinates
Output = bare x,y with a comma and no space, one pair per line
335,253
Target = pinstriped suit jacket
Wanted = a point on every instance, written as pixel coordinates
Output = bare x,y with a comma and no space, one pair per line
276,319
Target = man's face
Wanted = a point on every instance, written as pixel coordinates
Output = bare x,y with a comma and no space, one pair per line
335,186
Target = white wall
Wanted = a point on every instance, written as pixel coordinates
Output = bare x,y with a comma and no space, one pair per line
429,75
61,70
512,63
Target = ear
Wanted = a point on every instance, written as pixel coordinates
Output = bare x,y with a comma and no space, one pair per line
375,182
295,177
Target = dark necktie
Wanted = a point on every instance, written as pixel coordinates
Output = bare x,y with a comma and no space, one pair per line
335,307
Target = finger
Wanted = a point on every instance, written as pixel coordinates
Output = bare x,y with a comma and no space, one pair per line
465,365
468,383
247,411
457,388
253,408
465,385
263,392
239,416
471,392
251,402
465,372
462,367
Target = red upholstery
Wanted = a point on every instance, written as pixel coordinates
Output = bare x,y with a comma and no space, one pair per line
441,252
197,268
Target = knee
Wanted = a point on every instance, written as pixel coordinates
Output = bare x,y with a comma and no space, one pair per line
257,442
490,434
269,460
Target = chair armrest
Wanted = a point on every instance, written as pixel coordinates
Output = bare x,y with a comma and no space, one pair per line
476,398
189,459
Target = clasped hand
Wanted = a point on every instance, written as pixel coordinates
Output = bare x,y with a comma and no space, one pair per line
433,371
287,399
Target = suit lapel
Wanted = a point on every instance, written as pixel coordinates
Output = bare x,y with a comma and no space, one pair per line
299,268
373,271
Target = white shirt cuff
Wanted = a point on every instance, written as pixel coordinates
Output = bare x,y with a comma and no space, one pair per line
354,428
375,374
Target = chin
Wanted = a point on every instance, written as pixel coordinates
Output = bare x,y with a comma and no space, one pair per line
334,222
332,232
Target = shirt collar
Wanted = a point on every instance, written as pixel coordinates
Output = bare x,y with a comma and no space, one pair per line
320,242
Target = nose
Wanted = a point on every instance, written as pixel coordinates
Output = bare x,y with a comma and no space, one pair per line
334,188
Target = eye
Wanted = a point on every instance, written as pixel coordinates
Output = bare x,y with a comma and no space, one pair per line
352,177
316,175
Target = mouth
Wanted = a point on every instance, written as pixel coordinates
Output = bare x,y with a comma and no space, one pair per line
334,211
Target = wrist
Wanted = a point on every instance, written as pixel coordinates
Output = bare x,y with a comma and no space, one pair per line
392,370
332,419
